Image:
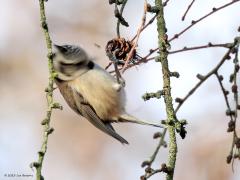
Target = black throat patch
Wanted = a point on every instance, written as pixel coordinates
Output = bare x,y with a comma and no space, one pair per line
90,65
59,80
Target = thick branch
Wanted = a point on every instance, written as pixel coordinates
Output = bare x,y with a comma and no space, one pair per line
49,95
163,58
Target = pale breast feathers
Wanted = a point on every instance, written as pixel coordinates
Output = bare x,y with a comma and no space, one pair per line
102,93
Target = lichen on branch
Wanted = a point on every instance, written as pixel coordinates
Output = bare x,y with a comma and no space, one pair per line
163,58
47,129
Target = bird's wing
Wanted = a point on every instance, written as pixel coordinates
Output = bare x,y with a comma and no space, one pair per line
86,110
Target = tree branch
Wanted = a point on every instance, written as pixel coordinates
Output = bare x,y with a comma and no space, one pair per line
204,78
194,22
149,162
130,54
121,20
49,95
209,45
171,119
188,8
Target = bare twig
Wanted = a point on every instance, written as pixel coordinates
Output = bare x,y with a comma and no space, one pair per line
149,162
189,7
152,173
231,126
109,64
146,25
233,114
209,45
146,58
204,78
120,18
165,3
225,93
130,54
161,143
114,60
194,22
235,147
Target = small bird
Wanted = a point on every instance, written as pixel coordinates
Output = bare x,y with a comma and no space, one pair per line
90,90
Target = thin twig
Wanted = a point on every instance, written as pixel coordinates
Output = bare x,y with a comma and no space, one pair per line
194,22
189,7
209,45
113,60
147,59
161,143
146,25
165,3
152,173
224,93
130,54
219,78
109,64
154,155
204,78
235,89
234,150
120,19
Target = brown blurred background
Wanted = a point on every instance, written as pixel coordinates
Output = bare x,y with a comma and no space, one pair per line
76,150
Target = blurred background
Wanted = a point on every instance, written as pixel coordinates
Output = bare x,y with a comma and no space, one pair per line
76,150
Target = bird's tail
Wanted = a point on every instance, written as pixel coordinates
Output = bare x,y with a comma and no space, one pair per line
128,118
111,131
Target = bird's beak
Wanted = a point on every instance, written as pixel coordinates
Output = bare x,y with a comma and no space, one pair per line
62,49
56,46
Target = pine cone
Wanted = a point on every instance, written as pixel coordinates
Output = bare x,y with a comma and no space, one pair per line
120,48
